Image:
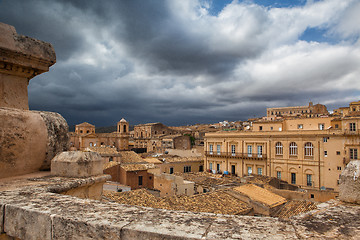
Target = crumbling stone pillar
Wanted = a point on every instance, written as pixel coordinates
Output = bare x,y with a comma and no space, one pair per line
28,139
22,58
349,188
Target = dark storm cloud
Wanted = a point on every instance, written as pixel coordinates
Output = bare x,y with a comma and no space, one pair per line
172,61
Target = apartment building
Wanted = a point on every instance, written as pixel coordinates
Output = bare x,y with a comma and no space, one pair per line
310,152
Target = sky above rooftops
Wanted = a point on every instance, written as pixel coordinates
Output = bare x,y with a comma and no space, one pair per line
190,61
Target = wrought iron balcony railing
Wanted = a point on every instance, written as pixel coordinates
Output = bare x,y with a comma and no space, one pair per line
236,155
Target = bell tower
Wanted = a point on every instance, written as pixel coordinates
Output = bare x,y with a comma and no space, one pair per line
123,135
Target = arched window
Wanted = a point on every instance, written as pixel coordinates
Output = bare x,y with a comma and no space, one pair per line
90,144
309,149
279,148
293,149
87,131
124,128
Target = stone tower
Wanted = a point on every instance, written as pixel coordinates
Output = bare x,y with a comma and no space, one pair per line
123,135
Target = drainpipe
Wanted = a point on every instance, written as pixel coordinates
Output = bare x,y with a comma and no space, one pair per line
269,156
319,163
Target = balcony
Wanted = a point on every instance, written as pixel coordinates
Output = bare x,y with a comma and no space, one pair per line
352,132
250,156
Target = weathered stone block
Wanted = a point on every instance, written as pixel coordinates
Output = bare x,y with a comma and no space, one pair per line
65,228
21,58
77,164
27,223
349,188
29,140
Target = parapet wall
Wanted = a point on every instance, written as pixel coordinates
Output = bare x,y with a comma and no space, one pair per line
38,212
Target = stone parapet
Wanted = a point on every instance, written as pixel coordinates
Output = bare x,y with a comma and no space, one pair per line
77,164
56,216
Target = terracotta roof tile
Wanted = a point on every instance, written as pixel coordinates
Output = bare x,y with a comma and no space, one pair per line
261,195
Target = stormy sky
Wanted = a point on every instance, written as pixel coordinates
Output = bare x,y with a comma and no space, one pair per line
190,61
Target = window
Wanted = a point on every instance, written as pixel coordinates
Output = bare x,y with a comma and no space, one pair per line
87,131
260,128
353,153
218,148
300,126
171,170
259,171
312,196
325,153
81,131
339,168
325,139
336,126
201,168
124,128
293,149
249,171
271,128
249,147
218,167
293,178
309,149
233,150
187,169
278,148
211,148
337,152
321,126
352,127
278,174
140,178
210,166
91,144
308,180
259,150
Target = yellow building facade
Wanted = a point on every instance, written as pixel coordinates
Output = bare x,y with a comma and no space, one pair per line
309,152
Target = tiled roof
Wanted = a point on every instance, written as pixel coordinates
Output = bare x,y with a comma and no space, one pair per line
209,180
110,164
152,160
261,195
130,157
103,150
295,207
215,202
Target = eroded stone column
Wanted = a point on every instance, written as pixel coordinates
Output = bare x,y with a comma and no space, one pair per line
28,139
21,58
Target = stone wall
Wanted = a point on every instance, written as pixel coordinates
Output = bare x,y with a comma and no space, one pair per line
38,212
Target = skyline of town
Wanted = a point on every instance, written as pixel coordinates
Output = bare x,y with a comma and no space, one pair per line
186,62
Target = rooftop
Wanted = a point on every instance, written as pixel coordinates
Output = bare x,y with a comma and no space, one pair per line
216,202
261,195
